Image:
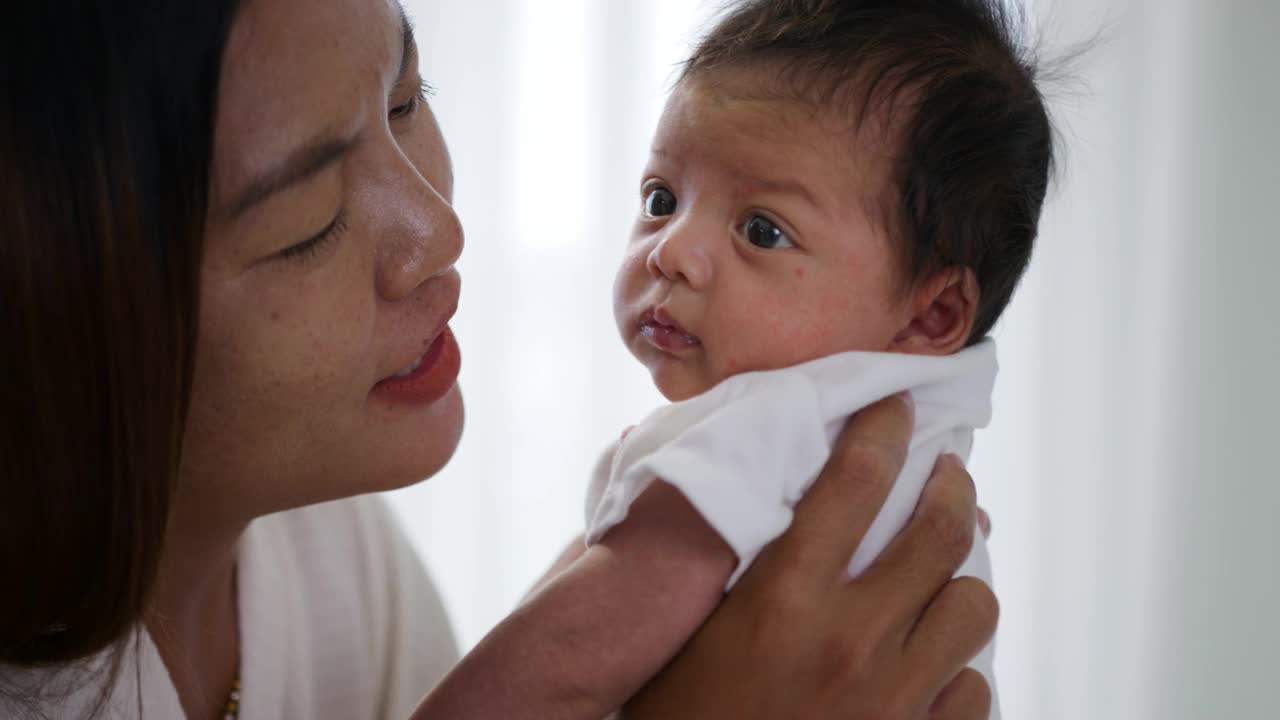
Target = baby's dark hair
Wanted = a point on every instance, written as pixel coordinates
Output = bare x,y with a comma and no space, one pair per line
975,146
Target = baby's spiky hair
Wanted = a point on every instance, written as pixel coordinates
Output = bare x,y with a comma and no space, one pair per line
974,143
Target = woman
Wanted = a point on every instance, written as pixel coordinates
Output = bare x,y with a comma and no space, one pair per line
226,273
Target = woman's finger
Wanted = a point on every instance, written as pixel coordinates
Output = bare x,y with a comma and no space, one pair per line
929,550
984,523
832,518
968,697
955,627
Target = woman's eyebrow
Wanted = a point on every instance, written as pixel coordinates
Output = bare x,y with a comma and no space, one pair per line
301,165
317,155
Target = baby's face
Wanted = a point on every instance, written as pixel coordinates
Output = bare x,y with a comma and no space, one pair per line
759,244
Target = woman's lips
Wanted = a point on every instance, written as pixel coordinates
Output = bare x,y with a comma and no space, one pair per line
663,332
427,379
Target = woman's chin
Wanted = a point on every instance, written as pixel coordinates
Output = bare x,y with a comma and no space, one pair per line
389,453
432,442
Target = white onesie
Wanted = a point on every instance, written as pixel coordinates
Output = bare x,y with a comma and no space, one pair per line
744,452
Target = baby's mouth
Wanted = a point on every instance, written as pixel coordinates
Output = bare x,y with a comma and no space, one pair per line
663,332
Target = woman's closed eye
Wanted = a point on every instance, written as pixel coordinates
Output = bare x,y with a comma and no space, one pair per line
310,247
660,202
313,245
763,233
409,107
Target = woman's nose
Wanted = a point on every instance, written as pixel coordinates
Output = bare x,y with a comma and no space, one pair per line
682,255
422,238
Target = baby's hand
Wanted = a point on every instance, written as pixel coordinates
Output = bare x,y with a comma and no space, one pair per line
984,522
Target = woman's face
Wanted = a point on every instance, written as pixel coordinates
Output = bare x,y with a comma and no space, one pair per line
328,266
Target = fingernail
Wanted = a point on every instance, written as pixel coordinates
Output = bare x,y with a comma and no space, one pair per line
906,397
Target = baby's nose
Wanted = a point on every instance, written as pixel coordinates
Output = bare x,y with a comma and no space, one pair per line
681,256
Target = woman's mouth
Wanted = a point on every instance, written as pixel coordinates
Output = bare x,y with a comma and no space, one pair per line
409,370
428,378
663,332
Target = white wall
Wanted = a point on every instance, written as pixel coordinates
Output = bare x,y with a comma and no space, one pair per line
1129,468
547,106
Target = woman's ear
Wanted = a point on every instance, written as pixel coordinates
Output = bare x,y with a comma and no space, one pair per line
942,313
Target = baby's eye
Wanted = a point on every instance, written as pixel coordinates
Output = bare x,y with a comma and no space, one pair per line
764,234
660,203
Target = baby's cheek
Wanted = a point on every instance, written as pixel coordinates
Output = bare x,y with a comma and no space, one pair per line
628,282
766,337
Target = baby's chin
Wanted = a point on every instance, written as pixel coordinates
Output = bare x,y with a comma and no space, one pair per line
678,383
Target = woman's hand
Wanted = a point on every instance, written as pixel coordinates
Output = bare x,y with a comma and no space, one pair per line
796,639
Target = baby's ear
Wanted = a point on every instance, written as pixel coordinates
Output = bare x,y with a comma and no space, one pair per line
942,312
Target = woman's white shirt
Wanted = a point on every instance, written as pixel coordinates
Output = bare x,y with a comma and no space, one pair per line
338,619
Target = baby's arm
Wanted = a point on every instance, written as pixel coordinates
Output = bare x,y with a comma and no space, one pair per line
589,639
568,557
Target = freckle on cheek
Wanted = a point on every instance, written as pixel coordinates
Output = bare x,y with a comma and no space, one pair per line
275,315
799,273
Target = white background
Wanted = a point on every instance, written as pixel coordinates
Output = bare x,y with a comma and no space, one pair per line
1129,468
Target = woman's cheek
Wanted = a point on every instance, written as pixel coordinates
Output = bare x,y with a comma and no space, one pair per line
327,320
283,356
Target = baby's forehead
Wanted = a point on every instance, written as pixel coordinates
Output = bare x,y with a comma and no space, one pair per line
743,117
840,109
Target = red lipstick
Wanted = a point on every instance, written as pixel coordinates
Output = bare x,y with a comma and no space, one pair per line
429,378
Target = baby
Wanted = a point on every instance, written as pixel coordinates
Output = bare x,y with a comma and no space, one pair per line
839,202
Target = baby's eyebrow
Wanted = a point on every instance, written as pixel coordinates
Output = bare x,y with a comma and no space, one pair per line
665,155
749,180
782,187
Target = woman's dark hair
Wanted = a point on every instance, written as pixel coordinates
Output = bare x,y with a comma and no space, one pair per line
975,146
106,135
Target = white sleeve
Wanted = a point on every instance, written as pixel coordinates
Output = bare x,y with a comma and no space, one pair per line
742,454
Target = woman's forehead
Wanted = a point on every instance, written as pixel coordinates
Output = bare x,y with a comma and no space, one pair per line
295,71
